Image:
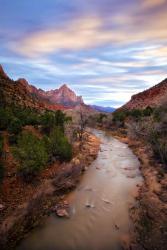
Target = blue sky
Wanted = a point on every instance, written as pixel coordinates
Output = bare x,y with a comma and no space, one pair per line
105,50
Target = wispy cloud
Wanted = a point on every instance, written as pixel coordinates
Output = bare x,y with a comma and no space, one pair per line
106,50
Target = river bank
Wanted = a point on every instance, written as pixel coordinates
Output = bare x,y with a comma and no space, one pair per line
98,206
25,209
150,213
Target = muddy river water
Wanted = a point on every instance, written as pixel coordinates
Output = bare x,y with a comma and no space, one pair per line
99,214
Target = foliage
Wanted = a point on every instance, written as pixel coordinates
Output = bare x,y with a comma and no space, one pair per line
26,115
59,146
15,126
148,111
5,118
152,127
31,154
100,117
49,120
136,113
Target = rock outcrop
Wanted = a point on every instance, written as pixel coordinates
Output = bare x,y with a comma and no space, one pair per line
22,93
19,93
65,96
2,73
152,97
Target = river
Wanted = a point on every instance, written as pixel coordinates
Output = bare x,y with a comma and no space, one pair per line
99,206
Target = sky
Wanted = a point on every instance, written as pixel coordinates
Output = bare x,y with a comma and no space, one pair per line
105,50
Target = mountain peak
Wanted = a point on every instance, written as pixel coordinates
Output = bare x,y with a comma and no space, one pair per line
64,86
65,96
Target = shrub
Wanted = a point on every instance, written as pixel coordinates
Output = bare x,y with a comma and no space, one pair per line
136,113
27,116
119,118
15,126
13,139
59,145
31,153
50,120
147,111
5,118
47,121
159,146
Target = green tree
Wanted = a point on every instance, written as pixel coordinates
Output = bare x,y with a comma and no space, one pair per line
31,154
5,118
136,113
50,120
15,126
147,111
59,145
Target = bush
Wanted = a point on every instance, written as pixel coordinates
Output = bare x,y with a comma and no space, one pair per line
136,113
159,146
5,118
147,111
31,153
119,118
59,145
49,120
15,126
13,139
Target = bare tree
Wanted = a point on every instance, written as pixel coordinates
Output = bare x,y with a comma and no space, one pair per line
82,123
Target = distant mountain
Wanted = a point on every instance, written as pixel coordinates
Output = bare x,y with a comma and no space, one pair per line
152,97
22,93
103,109
64,95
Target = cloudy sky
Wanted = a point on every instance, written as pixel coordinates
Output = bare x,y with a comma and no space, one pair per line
106,50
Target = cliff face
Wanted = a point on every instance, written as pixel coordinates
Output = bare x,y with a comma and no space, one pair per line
152,97
19,93
65,96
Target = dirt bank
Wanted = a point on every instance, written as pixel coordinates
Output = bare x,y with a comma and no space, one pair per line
25,205
150,213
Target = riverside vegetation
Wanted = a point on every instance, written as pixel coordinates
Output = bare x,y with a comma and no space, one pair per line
34,149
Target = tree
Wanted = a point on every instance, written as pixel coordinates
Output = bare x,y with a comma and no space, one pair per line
83,120
31,154
59,145
15,126
5,118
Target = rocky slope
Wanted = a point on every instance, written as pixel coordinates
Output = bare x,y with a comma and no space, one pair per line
64,95
152,97
21,93
16,93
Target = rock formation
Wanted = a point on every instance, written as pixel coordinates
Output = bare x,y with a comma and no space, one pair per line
152,97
